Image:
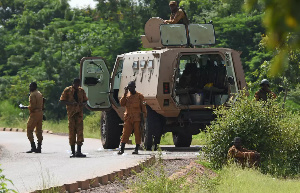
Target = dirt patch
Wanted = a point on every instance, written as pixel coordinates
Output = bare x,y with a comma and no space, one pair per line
173,169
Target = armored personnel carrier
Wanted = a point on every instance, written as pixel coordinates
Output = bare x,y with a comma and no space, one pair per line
182,79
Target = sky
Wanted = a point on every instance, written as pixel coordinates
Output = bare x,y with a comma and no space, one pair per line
82,3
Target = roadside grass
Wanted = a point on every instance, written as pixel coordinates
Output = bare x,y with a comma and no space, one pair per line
235,179
230,179
91,124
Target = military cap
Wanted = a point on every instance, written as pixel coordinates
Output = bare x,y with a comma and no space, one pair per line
173,3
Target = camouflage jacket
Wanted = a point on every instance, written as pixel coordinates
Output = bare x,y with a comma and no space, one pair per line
135,105
68,95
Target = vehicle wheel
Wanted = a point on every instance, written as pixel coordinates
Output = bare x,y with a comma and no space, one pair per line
110,129
182,139
152,129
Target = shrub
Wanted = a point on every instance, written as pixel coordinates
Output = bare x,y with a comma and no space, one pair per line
263,126
3,183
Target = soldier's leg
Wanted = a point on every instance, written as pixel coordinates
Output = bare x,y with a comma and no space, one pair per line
72,135
79,130
39,131
127,130
138,137
30,127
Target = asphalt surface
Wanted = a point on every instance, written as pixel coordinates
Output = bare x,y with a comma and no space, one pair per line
54,167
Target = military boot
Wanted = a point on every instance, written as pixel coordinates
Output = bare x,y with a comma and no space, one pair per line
33,148
78,153
122,149
39,148
136,149
72,151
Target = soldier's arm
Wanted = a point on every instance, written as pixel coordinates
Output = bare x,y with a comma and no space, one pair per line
85,99
32,102
123,101
273,95
143,106
64,98
178,16
256,96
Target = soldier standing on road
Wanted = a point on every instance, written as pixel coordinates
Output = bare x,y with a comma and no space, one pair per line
135,106
178,16
74,98
35,118
264,93
242,155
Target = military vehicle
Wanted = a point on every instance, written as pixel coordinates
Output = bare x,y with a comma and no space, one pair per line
182,79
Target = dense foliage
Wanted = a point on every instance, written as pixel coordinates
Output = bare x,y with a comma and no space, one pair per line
44,40
264,127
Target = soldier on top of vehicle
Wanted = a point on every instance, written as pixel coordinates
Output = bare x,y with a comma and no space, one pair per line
264,92
178,15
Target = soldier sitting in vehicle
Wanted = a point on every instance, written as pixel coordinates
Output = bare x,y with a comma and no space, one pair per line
189,76
187,83
242,155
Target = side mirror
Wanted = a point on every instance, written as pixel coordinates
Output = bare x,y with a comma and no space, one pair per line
230,80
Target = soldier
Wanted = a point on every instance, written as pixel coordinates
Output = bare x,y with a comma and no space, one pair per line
75,98
178,16
264,93
135,105
243,156
35,119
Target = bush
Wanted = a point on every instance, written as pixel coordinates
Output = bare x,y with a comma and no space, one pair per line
3,183
265,127
10,114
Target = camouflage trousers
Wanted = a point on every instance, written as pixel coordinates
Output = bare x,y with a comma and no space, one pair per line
130,126
35,120
76,129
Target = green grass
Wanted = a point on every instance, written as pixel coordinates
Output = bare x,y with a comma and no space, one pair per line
235,179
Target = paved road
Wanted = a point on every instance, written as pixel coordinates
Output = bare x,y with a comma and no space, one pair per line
54,167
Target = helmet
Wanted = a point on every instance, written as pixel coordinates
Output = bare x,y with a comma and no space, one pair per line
237,140
265,81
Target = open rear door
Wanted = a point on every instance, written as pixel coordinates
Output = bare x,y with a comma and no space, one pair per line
95,81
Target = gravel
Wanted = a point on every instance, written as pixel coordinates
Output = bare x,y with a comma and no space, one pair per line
170,167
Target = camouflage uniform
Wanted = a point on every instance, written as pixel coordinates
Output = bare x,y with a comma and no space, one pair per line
36,116
243,156
135,105
263,95
75,113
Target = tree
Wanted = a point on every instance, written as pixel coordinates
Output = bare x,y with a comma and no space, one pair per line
282,20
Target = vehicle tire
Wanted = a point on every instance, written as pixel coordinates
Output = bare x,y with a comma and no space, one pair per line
182,139
152,129
111,130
